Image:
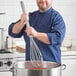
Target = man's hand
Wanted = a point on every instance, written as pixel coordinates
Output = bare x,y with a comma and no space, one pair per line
24,17
38,35
19,25
31,31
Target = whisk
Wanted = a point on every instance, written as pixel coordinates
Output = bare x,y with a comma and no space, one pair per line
35,54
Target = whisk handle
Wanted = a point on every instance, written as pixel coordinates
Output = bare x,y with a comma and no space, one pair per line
23,10
22,6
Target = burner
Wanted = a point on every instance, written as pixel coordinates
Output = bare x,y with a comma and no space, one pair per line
4,51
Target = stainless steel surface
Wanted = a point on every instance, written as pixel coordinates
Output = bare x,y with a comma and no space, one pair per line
23,10
2,13
6,62
6,57
6,42
22,6
6,73
2,43
45,69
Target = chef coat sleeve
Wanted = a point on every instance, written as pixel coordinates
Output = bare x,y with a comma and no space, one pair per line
57,33
18,35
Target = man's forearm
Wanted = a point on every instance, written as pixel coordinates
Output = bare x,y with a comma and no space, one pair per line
43,37
18,27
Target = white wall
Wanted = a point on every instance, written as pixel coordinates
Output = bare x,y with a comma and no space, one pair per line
13,11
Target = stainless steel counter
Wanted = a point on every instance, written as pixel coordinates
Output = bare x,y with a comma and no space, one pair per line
69,51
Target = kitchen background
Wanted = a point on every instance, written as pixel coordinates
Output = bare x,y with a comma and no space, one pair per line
12,10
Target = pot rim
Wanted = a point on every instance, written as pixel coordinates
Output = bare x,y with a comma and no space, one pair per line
37,65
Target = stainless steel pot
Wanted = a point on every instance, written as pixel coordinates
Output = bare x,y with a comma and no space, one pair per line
37,68
6,42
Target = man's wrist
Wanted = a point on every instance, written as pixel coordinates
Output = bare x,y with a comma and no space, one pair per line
36,35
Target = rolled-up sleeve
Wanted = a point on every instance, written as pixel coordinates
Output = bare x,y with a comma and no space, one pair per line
57,33
18,35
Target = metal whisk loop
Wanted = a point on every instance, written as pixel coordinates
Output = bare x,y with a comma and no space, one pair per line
35,53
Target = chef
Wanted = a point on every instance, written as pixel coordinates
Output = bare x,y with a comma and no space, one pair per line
47,27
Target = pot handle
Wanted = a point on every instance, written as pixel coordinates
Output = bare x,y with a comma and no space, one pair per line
63,67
